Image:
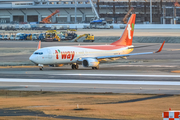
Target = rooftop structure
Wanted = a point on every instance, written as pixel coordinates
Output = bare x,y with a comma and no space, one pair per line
112,10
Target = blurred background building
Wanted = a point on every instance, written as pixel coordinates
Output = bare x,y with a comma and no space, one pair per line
19,11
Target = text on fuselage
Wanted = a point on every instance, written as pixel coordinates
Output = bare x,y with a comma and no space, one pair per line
65,54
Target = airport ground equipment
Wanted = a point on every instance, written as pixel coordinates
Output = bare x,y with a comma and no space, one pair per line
17,36
12,37
88,38
6,37
126,16
52,35
47,19
23,36
1,37
10,27
35,36
29,37
27,27
176,4
97,22
59,27
42,36
68,35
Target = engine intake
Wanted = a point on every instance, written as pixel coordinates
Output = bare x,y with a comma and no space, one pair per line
90,63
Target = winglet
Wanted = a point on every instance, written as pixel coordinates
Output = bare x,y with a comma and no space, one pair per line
39,45
160,47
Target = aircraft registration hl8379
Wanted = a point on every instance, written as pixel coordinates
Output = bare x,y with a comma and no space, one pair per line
88,56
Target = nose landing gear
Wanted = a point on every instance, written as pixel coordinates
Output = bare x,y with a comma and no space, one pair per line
40,66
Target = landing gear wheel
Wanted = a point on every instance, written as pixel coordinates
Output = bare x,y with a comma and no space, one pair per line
75,66
41,68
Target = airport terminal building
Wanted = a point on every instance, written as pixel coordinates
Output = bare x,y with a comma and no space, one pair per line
20,11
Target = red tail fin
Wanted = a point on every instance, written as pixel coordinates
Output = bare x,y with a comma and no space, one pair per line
127,36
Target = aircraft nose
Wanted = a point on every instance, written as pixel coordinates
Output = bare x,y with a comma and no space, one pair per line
32,58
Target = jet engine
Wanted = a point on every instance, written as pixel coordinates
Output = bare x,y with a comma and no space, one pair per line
90,62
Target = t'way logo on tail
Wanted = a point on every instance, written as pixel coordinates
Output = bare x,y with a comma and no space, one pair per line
65,54
129,31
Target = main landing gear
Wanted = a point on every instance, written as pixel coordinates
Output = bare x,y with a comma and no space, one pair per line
95,68
75,66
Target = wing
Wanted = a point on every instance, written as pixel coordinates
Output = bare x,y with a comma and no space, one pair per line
127,55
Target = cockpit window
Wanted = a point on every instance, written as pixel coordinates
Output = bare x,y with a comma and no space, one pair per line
38,53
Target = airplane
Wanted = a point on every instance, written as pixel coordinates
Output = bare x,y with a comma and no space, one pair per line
91,55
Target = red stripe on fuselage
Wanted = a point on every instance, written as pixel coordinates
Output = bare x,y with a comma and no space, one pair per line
103,47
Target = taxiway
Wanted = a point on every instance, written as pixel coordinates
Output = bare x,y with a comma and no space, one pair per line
147,74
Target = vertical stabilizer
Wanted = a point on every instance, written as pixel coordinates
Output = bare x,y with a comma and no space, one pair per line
39,45
127,36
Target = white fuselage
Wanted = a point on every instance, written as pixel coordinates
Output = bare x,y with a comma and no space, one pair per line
70,54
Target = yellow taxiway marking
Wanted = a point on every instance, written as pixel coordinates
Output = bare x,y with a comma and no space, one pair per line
176,71
18,66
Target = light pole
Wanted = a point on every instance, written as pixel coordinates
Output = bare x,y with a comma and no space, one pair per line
151,11
75,11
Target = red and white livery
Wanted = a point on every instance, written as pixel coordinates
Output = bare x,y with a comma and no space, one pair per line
88,56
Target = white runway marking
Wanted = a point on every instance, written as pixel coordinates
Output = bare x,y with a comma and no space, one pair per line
89,81
121,75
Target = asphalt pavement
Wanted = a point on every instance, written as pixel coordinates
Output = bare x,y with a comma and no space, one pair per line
138,74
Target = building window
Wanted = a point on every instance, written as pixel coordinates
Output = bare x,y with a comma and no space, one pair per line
87,2
58,3
72,2
65,2
80,2
37,3
23,3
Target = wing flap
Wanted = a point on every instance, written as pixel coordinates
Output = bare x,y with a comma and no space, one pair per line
124,55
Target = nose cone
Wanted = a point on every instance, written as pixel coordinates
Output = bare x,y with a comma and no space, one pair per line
32,59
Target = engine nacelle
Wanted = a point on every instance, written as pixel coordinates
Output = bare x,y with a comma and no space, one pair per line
90,62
